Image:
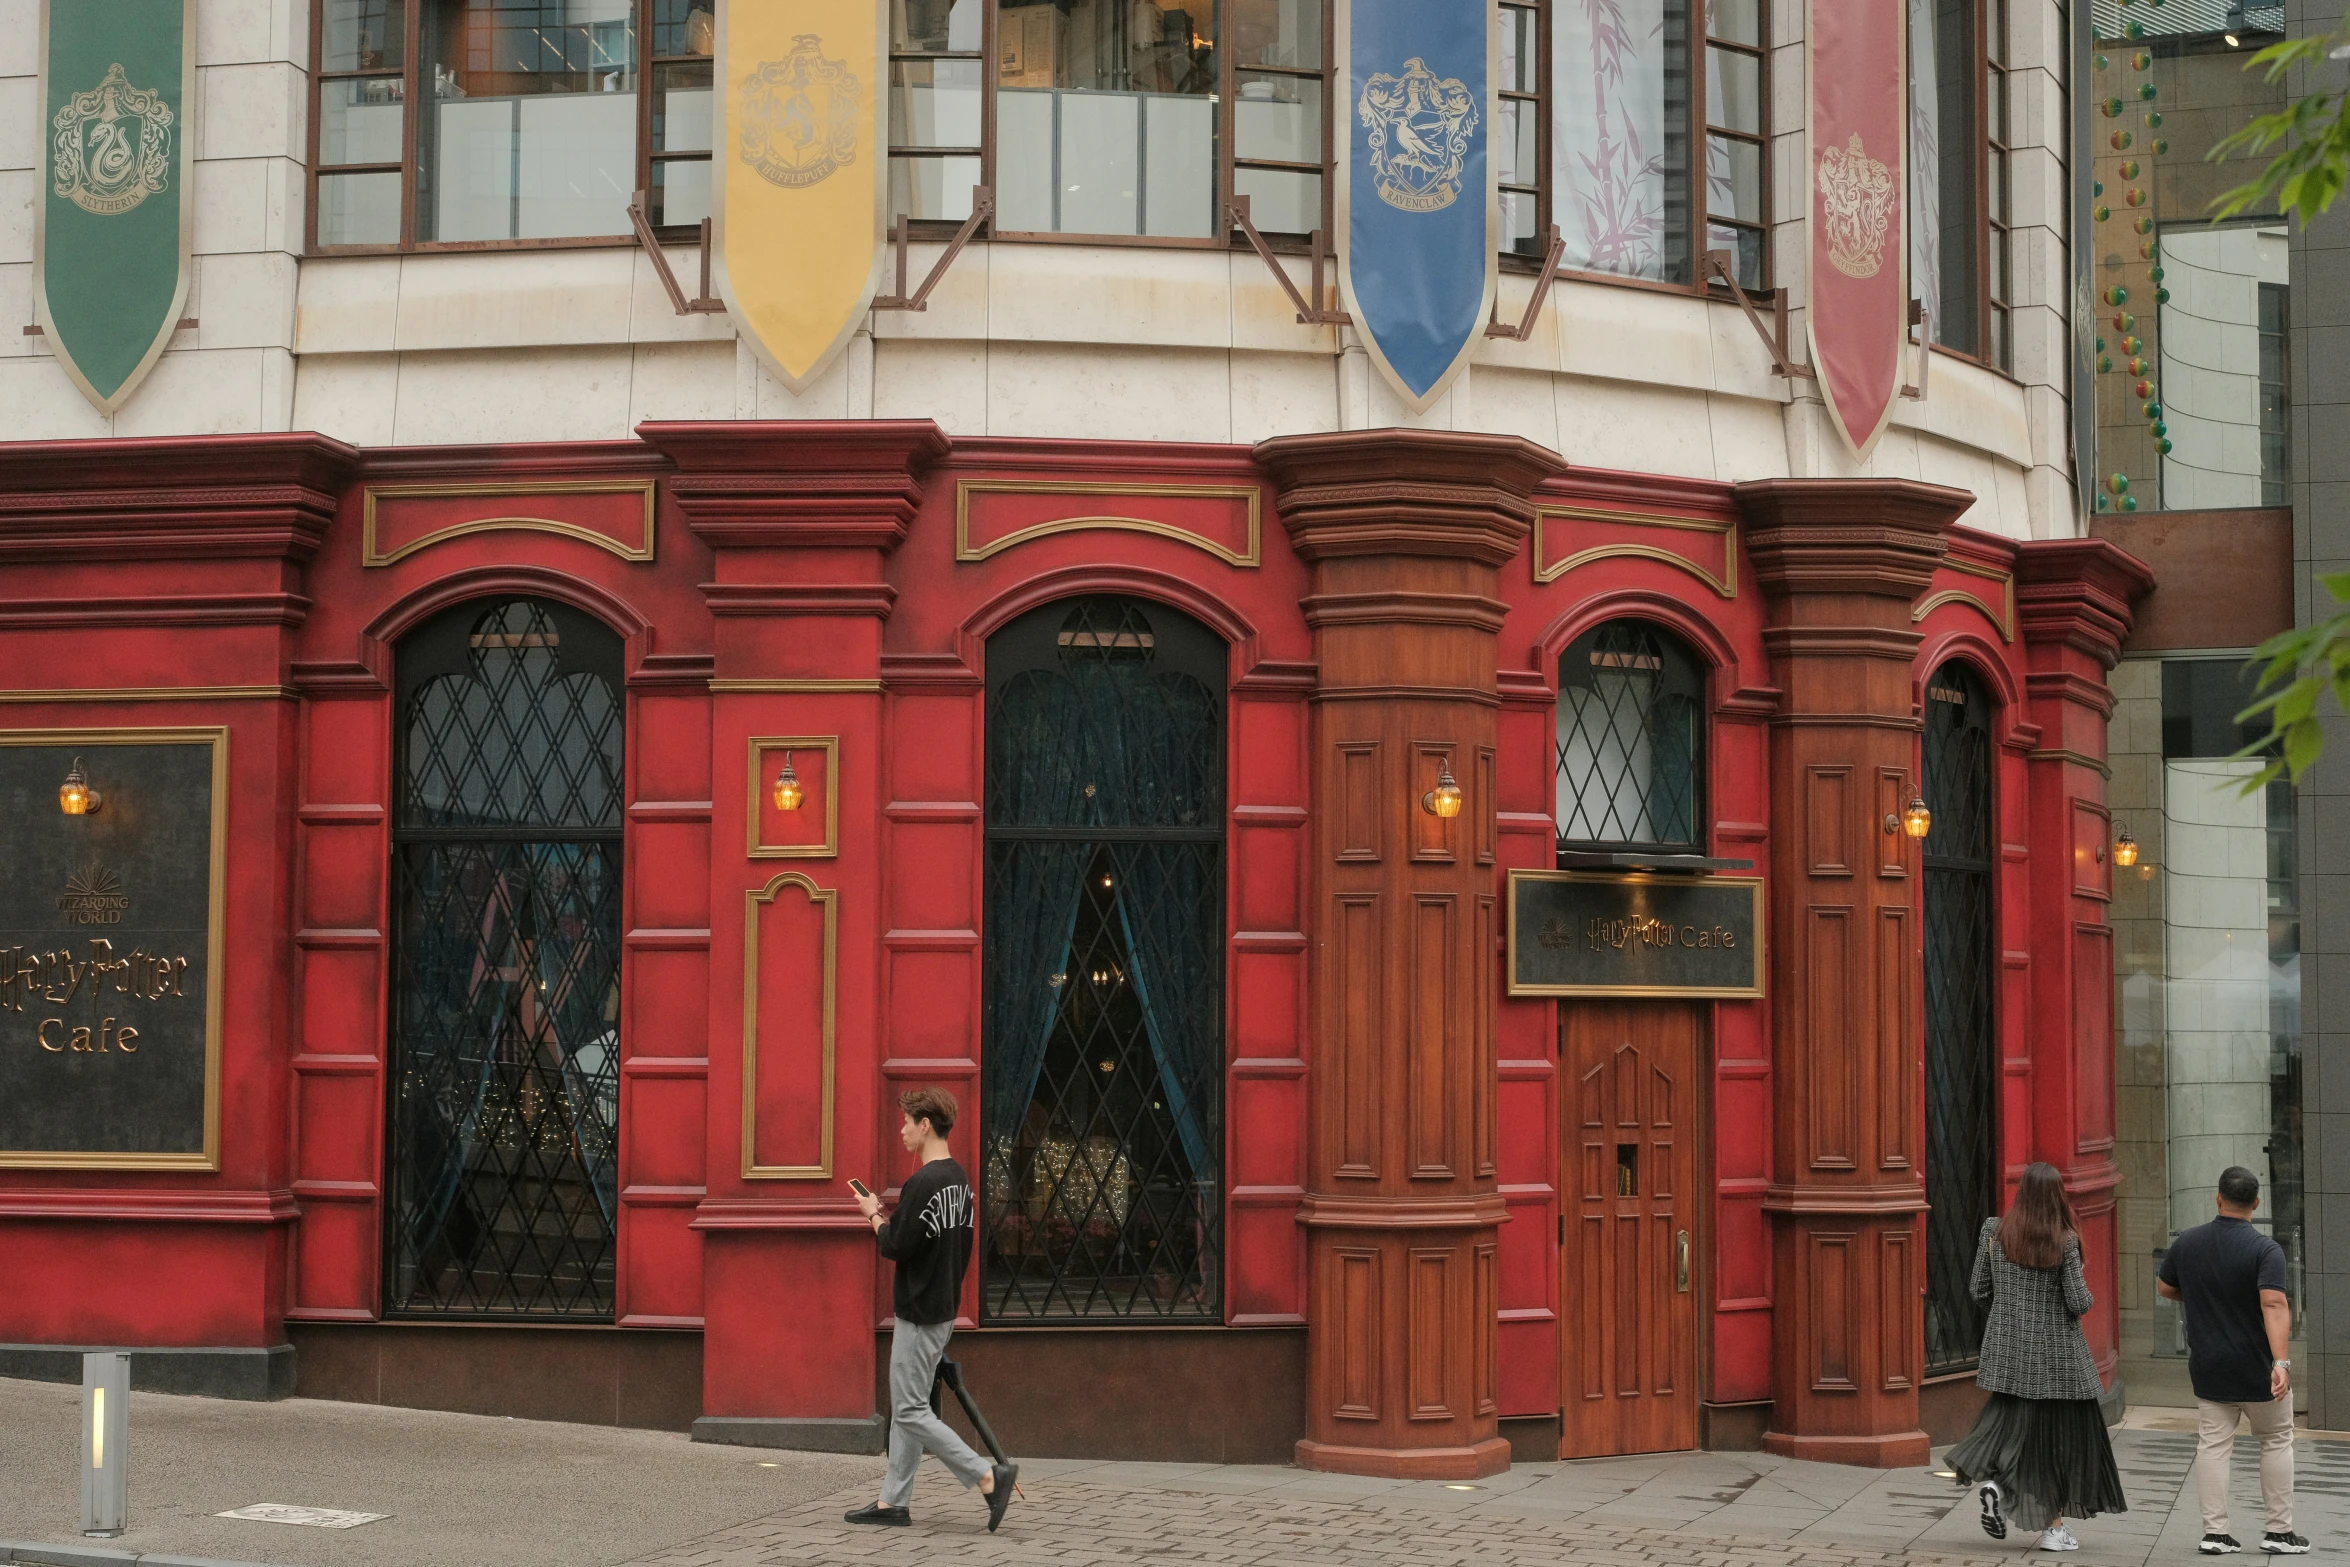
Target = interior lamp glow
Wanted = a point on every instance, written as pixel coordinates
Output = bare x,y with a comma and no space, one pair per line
1917,821
2125,848
1445,799
75,797
788,793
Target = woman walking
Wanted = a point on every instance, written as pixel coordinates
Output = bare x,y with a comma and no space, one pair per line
2038,1453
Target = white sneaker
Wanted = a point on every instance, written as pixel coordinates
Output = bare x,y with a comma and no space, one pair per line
1994,1520
2059,1539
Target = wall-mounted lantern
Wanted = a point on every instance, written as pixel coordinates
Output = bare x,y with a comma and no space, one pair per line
1917,821
2125,847
75,797
1445,799
788,793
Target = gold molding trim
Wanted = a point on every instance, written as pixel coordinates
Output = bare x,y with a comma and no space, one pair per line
758,849
154,694
966,488
214,930
795,687
369,555
1762,942
828,901
1725,585
2003,618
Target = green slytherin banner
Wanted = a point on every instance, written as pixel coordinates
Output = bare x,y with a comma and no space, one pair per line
112,226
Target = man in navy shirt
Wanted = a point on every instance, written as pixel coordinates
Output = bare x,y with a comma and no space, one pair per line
2230,1280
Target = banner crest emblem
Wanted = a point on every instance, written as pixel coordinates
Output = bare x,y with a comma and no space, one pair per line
800,115
1418,215
113,145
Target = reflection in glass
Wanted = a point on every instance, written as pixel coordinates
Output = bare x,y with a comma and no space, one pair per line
359,120
530,131
1281,201
681,191
1105,118
932,188
362,35
934,103
359,209
681,108
1620,153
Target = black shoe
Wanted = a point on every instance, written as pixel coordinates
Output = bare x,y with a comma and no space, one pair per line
889,1517
1994,1521
2219,1545
999,1500
2286,1544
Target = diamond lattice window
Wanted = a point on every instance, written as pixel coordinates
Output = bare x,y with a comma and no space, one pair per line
1962,1169
1102,1088
507,840
1631,741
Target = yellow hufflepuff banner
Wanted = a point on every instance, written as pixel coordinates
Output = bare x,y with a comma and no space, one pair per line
803,174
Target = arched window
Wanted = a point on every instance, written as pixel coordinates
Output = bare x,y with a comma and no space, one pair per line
1101,1099
1631,741
1962,1156
506,840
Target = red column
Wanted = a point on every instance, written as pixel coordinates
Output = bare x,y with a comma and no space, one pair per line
1405,531
160,584
801,519
2073,597
1840,561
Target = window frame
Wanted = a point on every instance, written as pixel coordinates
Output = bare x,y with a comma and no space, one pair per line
1682,671
1700,45
1991,188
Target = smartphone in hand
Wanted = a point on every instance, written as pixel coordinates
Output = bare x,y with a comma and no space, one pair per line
859,1187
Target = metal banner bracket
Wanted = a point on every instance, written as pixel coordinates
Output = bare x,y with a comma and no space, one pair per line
1717,266
1236,211
982,210
1924,343
1551,258
702,304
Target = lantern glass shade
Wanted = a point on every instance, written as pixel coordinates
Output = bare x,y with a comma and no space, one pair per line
1917,821
1445,799
2125,848
75,797
788,793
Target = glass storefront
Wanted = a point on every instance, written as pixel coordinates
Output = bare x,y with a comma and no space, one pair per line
2208,977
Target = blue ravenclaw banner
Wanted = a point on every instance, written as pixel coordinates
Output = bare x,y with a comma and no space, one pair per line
1418,223
112,220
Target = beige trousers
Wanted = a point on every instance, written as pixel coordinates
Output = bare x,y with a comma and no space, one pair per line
2215,1429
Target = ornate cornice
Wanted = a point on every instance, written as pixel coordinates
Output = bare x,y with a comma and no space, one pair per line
1870,537
798,484
2079,592
1407,492
215,497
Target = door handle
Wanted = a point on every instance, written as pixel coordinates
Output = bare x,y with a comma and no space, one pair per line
1681,1261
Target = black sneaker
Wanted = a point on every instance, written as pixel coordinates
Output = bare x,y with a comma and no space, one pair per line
2286,1544
999,1500
2219,1545
888,1517
1994,1521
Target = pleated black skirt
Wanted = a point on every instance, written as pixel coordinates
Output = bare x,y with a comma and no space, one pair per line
2050,1456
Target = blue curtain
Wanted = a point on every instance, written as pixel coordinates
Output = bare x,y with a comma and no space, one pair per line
1169,896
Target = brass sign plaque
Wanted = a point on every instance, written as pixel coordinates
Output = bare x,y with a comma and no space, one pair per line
1612,933
110,950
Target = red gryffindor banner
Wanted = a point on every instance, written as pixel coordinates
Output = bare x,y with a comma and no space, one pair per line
1859,211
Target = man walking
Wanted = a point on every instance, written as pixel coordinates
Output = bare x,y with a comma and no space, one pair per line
929,1239
2230,1280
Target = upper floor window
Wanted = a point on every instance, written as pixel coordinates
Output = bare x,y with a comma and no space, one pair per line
1617,83
1631,741
1958,134
464,122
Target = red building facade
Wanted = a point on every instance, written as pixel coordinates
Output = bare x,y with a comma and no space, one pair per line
1414,1255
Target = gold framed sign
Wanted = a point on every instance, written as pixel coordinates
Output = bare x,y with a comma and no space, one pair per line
1635,933
110,949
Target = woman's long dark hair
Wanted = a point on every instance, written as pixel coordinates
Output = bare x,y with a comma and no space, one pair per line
2039,1222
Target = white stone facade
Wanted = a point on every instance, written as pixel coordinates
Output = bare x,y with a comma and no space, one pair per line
1118,343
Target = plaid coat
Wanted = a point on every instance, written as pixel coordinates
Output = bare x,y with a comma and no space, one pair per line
2032,1346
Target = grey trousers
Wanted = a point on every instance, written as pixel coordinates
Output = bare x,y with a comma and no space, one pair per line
914,1353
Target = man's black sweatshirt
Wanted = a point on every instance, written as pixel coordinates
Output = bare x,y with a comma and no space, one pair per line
929,1238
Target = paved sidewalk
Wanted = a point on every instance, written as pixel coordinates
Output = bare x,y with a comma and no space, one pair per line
470,1491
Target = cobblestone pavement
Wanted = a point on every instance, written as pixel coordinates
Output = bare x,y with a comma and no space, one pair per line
1682,1510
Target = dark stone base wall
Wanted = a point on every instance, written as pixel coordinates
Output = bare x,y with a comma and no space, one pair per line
593,1376
208,1373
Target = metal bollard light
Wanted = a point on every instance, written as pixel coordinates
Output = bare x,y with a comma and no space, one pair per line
106,1445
